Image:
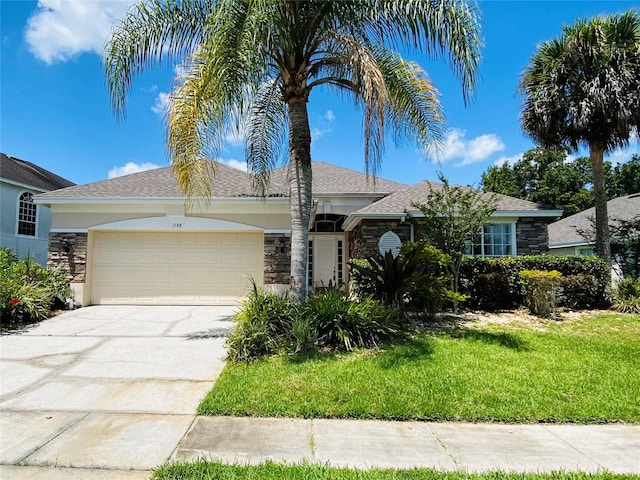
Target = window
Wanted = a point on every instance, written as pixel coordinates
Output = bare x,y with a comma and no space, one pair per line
26,215
493,241
588,251
327,223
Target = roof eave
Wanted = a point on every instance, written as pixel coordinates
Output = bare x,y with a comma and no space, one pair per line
355,218
508,213
45,200
23,185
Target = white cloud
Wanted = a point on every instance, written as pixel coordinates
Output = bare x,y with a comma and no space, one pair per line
131,167
162,104
232,162
61,29
324,125
511,160
235,136
478,149
623,155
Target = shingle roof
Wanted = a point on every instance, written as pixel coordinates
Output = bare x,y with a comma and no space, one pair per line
402,200
27,173
565,231
228,182
161,183
329,178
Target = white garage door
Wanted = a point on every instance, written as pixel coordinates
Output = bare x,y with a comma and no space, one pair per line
186,268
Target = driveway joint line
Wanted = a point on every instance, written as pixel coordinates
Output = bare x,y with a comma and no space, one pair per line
72,424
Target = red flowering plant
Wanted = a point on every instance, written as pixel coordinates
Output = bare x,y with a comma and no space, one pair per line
28,291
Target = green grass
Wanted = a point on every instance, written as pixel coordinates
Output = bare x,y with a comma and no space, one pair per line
272,471
582,371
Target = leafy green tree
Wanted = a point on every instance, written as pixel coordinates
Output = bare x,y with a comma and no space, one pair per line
453,215
547,177
544,176
583,88
625,178
254,63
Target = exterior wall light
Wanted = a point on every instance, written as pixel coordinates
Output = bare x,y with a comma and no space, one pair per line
66,246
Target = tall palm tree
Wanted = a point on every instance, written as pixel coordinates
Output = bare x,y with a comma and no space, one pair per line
254,63
583,89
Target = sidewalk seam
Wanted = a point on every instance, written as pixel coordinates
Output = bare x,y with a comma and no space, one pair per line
20,462
573,447
446,450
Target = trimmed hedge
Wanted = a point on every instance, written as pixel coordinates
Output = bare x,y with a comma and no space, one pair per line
494,283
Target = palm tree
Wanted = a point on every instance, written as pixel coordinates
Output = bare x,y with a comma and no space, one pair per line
583,88
253,64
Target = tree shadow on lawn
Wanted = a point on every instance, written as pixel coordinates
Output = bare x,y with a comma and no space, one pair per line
456,326
503,339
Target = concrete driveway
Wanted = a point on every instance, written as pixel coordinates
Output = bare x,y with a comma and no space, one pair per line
110,389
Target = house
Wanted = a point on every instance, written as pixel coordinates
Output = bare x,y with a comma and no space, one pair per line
575,235
134,239
24,226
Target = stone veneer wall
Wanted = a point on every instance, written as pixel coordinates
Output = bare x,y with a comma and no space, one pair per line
74,262
532,237
277,266
363,239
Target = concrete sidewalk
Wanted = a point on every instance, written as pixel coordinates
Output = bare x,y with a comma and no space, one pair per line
443,446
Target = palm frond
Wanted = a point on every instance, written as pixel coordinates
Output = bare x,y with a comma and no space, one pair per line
213,94
151,32
266,133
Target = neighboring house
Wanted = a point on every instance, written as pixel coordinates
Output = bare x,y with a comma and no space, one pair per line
574,235
134,239
24,226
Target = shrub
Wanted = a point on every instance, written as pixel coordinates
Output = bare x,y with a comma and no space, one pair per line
342,323
263,325
415,280
494,283
28,291
541,291
627,295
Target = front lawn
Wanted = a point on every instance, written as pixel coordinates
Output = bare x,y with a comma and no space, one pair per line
272,471
577,370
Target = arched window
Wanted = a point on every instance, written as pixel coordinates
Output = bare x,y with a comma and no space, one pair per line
27,215
328,223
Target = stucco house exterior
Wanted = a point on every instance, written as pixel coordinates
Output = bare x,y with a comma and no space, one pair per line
134,239
24,226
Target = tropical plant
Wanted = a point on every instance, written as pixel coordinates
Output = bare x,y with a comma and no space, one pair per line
453,216
627,295
343,323
583,89
415,280
263,325
28,291
253,64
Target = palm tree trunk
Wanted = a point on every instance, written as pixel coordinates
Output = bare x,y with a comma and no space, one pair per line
603,248
300,191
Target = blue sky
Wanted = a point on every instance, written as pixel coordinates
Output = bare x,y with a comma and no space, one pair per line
55,108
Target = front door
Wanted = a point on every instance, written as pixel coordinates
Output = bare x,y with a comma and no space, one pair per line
327,253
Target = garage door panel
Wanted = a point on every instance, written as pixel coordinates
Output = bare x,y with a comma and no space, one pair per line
174,268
